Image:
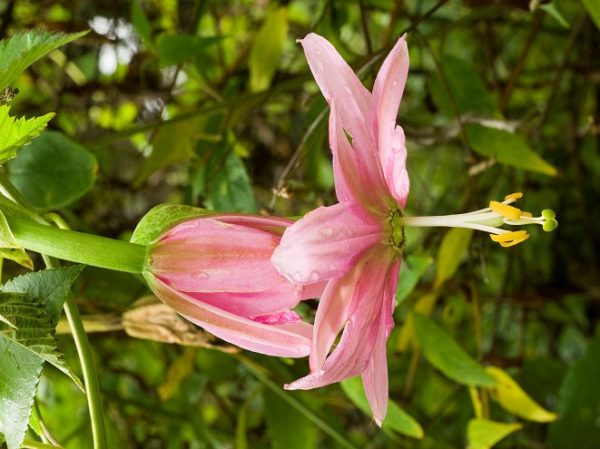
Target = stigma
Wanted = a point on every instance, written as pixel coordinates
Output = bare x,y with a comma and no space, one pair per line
491,220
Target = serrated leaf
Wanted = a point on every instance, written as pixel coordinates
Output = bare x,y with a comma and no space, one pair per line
17,132
51,287
396,419
451,252
507,148
9,248
445,354
511,397
54,171
21,50
483,433
267,48
412,270
162,217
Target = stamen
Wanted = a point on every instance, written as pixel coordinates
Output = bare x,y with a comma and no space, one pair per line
508,239
550,222
505,210
513,196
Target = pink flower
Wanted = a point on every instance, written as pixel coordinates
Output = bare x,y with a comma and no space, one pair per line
354,245
216,272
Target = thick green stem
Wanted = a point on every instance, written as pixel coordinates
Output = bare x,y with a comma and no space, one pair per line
78,247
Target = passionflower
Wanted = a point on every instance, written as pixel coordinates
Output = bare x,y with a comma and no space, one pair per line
356,245
216,271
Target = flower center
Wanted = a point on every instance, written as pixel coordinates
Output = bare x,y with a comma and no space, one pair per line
397,237
491,219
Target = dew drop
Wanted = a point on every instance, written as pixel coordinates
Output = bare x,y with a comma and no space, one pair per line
314,276
333,267
394,83
297,277
202,275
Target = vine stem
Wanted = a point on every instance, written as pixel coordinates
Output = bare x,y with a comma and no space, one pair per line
84,350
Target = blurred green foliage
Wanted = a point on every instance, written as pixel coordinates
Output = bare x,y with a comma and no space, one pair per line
210,103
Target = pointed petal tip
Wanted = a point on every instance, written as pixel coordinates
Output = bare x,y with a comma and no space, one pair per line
378,421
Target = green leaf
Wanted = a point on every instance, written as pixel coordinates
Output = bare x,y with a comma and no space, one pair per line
173,144
279,417
452,249
141,23
29,308
507,148
411,272
54,171
579,404
15,133
466,89
396,419
163,217
551,9
511,397
51,287
483,433
230,189
21,50
266,51
179,48
9,248
593,9
445,354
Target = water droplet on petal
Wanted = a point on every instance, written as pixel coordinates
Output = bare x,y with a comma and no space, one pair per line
297,277
314,276
202,275
333,267
394,83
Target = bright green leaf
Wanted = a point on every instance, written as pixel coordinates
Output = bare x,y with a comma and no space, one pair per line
483,433
21,50
161,218
54,171
579,404
17,132
396,419
507,148
279,417
266,51
511,397
593,9
9,248
445,354
411,272
551,9
466,89
452,249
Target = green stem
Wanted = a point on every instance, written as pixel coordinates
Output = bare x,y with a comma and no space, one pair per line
78,247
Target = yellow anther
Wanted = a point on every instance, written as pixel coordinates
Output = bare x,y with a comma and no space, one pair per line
513,196
505,210
526,214
510,238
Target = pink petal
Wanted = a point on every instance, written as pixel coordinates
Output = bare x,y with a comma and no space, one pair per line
208,255
357,175
340,85
387,93
355,349
332,314
326,243
286,340
286,316
375,376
